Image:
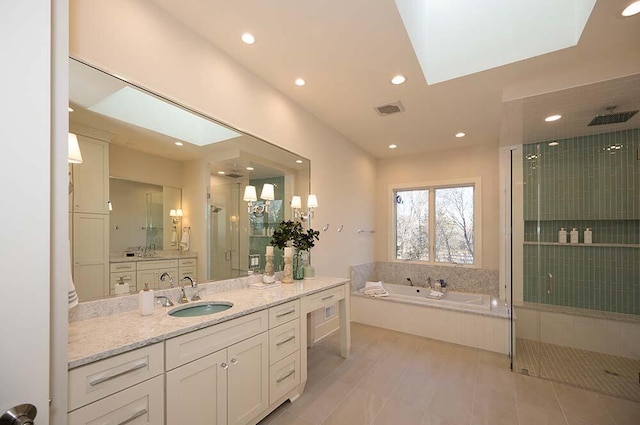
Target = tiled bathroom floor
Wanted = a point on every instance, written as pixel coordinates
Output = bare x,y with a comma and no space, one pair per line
604,373
399,379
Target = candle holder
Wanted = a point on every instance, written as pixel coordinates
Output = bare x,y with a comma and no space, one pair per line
288,270
269,270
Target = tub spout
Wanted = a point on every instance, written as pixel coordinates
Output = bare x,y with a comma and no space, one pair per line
410,282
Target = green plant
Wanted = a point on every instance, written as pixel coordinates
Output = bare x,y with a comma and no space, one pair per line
291,233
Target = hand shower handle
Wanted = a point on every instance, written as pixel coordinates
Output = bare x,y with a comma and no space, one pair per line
550,284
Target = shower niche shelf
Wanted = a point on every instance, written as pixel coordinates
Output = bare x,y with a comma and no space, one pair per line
595,245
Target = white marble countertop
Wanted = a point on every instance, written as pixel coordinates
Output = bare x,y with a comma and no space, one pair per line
156,256
98,338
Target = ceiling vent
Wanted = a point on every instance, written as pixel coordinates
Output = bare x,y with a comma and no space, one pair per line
390,108
612,117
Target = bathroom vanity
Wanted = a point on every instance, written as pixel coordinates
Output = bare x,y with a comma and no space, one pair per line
233,367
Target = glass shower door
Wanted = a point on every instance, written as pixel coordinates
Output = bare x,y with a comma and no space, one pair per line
224,231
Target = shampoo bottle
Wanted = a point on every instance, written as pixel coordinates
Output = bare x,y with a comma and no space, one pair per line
574,235
587,235
146,301
562,235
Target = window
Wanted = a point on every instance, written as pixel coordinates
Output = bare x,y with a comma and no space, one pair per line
436,223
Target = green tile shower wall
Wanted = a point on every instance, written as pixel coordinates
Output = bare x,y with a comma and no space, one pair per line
258,244
580,184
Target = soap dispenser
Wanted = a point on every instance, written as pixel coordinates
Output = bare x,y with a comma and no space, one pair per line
146,301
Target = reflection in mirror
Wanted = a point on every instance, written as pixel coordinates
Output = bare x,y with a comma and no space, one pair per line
146,158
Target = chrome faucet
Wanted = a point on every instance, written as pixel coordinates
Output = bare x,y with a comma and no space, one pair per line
164,300
196,296
165,275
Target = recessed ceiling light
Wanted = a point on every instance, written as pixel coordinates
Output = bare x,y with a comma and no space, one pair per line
179,144
393,146
222,173
553,143
248,38
398,79
70,108
553,118
298,161
300,82
250,168
460,134
632,9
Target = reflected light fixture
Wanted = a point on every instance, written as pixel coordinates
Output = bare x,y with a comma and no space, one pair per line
70,108
296,204
250,196
110,205
632,9
298,161
176,216
300,82
554,143
460,134
75,156
552,118
179,144
393,146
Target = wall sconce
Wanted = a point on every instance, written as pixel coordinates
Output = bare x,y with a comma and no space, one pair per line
250,197
296,204
75,157
176,216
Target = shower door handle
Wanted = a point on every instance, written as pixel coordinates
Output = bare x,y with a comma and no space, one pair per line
550,284
227,255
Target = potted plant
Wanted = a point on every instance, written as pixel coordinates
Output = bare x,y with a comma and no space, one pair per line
292,234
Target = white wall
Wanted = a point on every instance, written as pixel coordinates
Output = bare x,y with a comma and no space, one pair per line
452,164
136,40
142,167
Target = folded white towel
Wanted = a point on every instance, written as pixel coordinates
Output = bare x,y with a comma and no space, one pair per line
379,294
374,291
435,294
184,243
377,284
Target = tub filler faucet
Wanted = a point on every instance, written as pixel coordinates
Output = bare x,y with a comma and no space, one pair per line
410,282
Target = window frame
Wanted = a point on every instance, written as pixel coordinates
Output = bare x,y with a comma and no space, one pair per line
476,182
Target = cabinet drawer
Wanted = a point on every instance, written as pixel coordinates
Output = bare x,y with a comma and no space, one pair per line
187,271
322,299
283,313
140,404
284,340
123,267
187,262
284,376
127,277
192,346
105,377
163,264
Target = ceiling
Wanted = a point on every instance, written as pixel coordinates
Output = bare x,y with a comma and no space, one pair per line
348,51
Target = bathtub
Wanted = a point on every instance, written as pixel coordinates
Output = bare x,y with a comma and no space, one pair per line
459,317
418,295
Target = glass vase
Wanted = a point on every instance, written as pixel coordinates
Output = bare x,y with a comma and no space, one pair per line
298,265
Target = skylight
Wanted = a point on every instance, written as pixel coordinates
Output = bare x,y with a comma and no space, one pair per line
457,38
138,108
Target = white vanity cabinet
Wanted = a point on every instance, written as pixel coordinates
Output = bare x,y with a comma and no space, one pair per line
219,375
188,267
127,388
150,272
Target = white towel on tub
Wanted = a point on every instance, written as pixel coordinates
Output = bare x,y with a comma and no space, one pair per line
374,289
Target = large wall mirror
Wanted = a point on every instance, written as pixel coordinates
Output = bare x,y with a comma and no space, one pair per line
161,189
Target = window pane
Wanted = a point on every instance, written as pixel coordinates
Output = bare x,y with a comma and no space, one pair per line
454,225
412,225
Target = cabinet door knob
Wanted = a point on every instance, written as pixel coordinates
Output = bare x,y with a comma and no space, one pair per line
224,365
234,361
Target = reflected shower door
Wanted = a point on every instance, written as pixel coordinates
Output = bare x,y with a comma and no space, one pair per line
224,231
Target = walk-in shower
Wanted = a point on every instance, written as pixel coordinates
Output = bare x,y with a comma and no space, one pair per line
575,237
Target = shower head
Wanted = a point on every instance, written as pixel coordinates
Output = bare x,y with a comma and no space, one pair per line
233,174
215,209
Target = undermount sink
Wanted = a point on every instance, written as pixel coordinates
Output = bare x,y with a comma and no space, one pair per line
200,309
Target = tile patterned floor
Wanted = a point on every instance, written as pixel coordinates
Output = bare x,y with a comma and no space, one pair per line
399,379
603,373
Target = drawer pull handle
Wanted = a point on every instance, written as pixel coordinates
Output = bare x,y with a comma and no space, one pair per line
122,267
291,372
291,338
134,416
328,298
117,375
293,310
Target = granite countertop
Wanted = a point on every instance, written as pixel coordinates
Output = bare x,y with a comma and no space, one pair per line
98,338
157,255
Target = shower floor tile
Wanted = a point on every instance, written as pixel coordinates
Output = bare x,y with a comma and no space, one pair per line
603,373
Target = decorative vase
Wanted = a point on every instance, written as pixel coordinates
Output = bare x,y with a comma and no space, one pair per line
269,272
298,266
309,271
